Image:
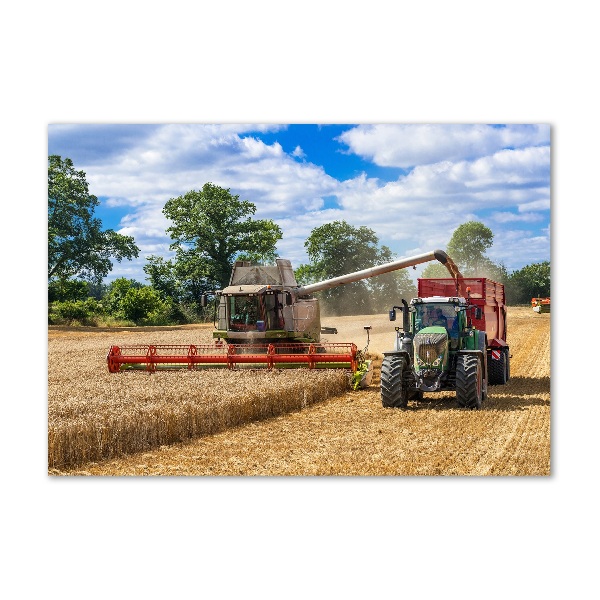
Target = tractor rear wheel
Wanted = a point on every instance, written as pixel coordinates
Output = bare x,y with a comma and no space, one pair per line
393,394
469,381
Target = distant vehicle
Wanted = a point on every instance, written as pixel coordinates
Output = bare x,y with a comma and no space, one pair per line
540,305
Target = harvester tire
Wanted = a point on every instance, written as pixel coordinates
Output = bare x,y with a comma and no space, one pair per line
498,369
469,381
393,394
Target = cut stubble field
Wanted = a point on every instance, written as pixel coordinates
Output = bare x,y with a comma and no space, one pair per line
288,422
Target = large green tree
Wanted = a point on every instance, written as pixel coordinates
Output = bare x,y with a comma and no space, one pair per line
339,248
211,229
468,245
467,248
78,247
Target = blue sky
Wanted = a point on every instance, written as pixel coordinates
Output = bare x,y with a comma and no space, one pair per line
413,184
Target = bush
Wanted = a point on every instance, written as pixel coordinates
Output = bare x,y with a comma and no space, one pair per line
71,312
145,305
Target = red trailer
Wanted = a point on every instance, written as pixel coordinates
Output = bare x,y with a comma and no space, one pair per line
481,292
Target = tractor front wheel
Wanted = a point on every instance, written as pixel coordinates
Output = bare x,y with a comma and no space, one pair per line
393,394
469,381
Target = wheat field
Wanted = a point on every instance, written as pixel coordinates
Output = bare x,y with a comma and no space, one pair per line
334,432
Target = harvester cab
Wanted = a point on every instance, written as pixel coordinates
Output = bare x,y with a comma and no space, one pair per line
263,304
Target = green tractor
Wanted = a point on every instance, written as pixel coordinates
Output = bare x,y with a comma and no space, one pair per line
438,348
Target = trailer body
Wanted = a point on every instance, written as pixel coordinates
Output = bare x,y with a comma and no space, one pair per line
483,293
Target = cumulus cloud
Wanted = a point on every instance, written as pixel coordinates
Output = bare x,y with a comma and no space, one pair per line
408,145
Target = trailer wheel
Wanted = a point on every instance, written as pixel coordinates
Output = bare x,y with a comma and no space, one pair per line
469,381
498,369
507,354
393,394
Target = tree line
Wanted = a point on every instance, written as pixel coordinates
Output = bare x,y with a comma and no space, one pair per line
210,229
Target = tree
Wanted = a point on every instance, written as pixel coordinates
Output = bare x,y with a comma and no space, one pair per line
338,248
211,229
77,245
468,245
162,277
532,281
467,248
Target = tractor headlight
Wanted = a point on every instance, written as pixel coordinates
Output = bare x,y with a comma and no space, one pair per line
438,361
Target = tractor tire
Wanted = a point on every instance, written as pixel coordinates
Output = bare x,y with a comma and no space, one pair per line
507,353
498,369
393,394
469,381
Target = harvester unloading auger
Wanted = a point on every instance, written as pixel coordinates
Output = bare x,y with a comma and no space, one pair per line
265,319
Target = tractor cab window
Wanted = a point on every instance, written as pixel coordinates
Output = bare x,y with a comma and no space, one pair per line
429,315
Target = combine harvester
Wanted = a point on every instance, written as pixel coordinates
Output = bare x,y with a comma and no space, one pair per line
540,305
265,319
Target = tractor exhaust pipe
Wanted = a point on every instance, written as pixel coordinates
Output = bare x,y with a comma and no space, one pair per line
402,263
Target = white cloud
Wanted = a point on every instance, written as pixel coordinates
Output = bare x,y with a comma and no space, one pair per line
408,145
298,152
508,217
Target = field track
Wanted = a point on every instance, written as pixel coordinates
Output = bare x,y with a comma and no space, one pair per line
352,434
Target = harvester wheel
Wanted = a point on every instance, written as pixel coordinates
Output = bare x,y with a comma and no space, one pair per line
393,394
469,381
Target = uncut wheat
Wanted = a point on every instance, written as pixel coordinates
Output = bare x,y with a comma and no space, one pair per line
95,415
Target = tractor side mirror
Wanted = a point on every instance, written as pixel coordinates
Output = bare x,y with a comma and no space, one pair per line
393,314
203,301
478,313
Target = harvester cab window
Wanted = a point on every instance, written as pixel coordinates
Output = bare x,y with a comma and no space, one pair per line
273,310
244,312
